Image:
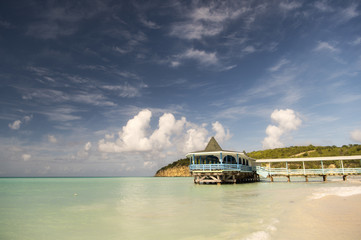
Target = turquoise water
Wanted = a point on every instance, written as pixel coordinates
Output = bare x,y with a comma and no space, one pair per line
151,208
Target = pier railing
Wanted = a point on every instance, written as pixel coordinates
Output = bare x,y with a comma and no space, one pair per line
221,167
325,171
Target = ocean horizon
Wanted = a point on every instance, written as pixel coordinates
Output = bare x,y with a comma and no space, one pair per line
176,208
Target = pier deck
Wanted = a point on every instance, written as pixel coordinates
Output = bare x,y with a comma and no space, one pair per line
223,173
322,172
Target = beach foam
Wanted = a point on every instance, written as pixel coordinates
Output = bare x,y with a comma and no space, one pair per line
263,235
336,191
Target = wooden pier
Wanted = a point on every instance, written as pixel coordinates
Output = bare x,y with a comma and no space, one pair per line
323,172
224,177
215,165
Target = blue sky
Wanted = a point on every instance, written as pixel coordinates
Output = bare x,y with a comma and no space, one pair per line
121,88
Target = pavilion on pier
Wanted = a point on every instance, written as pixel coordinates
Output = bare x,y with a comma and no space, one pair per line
215,165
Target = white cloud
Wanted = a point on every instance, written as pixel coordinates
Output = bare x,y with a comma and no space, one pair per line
126,90
62,114
323,6
132,137
26,157
148,23
286,120
221,134
172,135
15,125
288,6
203,57
168,126
249,49
279,65
87,146
206,21
325,46
52,139
28,118
56,96
195,139
357,41
349,12
356,135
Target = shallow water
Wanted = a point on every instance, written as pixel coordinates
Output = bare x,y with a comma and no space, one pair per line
173,208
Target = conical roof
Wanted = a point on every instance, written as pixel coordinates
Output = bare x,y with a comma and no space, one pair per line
212,146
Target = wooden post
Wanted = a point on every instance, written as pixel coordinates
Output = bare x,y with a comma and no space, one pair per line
323,171
304,169
344,177
343,170
324,178
271,178
288,178
306,178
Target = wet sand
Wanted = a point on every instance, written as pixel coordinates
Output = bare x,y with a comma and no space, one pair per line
329,215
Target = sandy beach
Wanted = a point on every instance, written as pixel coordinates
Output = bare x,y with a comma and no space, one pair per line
330,213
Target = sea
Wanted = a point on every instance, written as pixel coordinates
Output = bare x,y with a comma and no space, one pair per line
175,208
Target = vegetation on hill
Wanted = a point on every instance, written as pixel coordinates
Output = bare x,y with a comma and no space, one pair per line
307,151
294,152
175,169
310,151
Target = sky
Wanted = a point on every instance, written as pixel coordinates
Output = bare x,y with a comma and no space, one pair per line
122,88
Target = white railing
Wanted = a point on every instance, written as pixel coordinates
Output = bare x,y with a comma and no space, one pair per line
324,171
223,167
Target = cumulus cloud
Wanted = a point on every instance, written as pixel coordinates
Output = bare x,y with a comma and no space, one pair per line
195,139
356,135
26,157
171,136
84,152
221,134
87,146
286,120
17,123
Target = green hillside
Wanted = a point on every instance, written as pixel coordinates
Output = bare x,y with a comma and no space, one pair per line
307,151
179,163
297,151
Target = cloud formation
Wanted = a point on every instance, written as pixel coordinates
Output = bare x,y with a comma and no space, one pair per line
52,139
203,57
206,21
171,135
325,46
356,135
26,157
221,134
17,123
286,120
